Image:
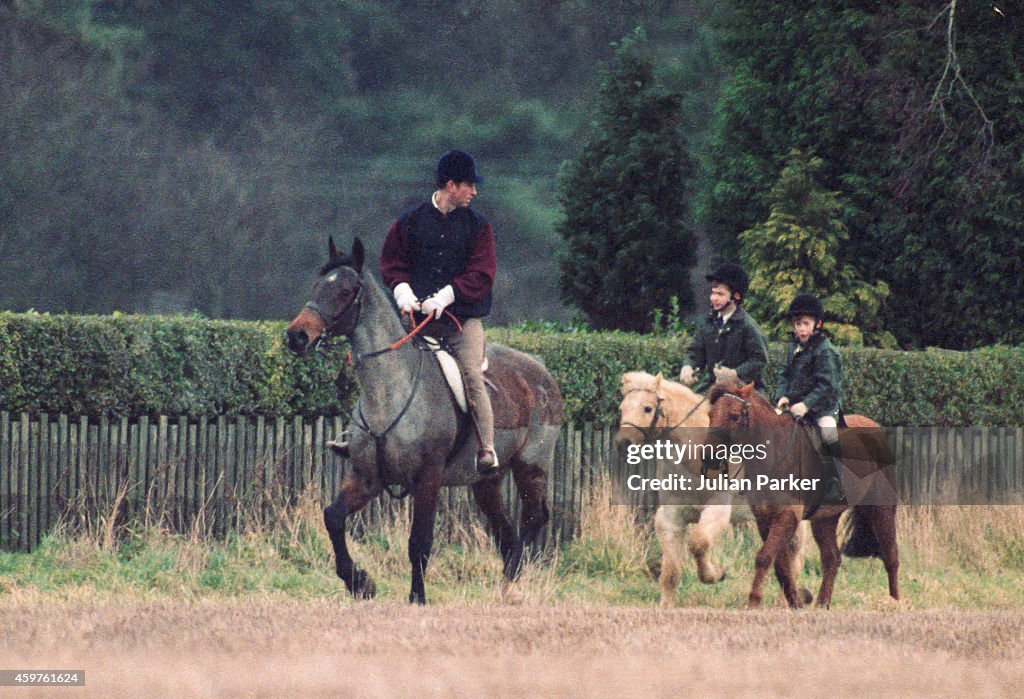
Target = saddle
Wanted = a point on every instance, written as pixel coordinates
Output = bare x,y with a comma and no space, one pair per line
450,370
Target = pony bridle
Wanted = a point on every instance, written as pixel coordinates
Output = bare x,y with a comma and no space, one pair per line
745,415
330,330
649,430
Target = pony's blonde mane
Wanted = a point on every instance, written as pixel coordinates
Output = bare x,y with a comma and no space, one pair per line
679,399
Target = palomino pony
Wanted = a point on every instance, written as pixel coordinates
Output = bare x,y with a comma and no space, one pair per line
655,408
741,415
409,432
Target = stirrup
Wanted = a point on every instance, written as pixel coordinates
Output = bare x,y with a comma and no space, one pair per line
487,462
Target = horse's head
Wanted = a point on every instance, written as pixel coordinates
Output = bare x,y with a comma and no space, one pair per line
335,300
641,411
733,404
654,405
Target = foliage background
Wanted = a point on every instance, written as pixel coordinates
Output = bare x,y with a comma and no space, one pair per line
135,365
170,157
166,157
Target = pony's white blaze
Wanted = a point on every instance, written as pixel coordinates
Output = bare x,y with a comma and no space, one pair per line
333,277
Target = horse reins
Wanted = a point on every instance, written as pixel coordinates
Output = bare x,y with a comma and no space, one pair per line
408,336
745,422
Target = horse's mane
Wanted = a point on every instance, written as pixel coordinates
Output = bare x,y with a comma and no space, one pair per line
679,391
720,388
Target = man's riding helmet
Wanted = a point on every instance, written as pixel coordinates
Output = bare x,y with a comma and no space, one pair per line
458,166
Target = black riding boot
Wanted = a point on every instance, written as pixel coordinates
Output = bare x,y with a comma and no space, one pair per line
832,485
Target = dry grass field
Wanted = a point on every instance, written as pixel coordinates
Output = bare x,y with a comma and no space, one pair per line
145,612
272,648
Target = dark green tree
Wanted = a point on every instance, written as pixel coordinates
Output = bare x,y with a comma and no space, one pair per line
914,107
630,248
795,251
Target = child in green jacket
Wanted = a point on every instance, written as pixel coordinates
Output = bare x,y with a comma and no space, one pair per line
728,344
811,381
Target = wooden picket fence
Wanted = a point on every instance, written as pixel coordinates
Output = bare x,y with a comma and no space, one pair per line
214,474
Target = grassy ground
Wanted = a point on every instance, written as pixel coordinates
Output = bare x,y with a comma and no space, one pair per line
952,558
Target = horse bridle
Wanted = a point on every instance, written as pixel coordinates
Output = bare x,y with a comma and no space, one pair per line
653,427
745,415
745,421
330,330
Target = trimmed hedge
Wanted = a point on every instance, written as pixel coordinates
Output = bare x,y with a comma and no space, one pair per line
934,387
135,365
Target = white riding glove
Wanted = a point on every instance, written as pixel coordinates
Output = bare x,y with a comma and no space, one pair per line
800,409
444,297
724,373
686,375
782,405
406,298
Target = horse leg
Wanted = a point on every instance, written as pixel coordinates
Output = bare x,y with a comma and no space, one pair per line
795,553
424,511
488,496
352,496
532,485
883,523
670,535
701,537
775,532
786,568
825,534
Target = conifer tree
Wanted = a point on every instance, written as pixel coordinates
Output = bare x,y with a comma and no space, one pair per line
796,250
629,244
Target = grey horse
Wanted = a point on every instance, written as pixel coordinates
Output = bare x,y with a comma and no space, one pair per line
408,432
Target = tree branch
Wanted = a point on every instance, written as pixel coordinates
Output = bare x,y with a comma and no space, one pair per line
948,83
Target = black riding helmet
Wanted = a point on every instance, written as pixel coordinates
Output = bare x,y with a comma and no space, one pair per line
805,305
732,275
458,166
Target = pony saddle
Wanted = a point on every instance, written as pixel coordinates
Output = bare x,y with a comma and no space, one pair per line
450,369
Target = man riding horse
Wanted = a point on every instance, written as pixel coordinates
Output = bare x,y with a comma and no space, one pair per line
439,260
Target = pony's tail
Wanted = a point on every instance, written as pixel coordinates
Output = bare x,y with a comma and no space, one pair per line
861,541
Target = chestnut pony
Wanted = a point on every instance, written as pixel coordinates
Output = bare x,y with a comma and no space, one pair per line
408,431
741,415
655,408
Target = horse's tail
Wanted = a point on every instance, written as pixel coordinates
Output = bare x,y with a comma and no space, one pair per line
861,541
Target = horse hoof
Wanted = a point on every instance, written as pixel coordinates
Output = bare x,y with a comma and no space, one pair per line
654,568
806,596
712,579
362,585
417,599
